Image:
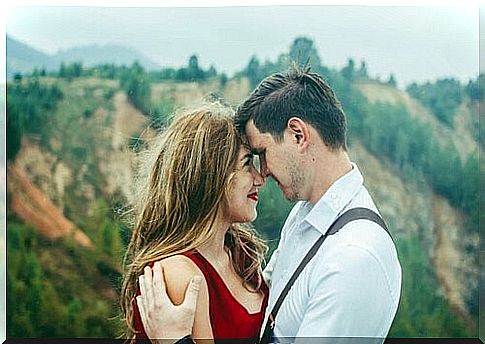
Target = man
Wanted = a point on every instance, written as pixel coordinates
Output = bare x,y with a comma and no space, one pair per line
351,288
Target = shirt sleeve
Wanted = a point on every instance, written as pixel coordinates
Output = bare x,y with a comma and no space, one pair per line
349,297
268,270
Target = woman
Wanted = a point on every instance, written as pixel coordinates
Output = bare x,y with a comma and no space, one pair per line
201,190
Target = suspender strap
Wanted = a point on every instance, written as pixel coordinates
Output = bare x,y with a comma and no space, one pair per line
348,216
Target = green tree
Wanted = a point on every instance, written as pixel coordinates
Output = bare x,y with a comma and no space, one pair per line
194,72
473,89
136,84
29,111
302,51
442,97
362,72
422,311
211,72
392,81
223,79
253,71
348,72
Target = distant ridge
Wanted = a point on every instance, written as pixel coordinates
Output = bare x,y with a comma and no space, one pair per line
21,58
94,54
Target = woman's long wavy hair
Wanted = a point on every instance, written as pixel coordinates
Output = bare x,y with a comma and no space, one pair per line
189,172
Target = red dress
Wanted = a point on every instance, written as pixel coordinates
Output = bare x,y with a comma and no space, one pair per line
229,319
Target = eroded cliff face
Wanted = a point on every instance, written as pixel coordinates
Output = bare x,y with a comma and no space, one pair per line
415,208
411,208
454,256
38,180
461,133
33,206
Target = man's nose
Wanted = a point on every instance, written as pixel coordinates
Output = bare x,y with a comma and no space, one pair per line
264,168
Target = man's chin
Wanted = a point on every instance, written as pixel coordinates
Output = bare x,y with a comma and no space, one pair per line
292,195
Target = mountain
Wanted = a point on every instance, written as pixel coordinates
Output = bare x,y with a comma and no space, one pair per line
21,58
82,159
92,55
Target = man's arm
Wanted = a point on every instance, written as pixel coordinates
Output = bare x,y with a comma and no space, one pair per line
160,316
349,297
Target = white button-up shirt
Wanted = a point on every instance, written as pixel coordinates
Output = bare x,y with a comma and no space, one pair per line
351,287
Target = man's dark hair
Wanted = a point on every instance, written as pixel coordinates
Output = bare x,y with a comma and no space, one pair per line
298,93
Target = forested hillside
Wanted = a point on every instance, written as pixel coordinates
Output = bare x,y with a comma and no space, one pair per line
73,138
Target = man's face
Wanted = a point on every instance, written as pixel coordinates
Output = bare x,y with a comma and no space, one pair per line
278,160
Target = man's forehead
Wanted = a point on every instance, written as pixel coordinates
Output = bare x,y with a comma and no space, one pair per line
256,146
254,137
245,144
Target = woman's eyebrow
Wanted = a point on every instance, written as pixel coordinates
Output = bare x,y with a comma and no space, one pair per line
246,145
247,156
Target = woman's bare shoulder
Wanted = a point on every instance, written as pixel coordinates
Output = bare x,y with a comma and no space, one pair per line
178,271
179,262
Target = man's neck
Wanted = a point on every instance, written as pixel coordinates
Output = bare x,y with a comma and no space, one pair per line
328,170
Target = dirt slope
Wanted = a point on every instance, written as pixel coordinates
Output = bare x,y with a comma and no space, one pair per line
32,206
460,135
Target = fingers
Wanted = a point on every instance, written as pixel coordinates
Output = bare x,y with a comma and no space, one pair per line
142,300
159,287
141,309
192,293
150,299
148,282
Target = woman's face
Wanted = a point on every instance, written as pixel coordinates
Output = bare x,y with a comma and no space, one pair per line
242,195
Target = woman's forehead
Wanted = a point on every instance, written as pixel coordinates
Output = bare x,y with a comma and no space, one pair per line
244,149
244,140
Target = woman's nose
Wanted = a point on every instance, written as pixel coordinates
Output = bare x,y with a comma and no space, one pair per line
258,179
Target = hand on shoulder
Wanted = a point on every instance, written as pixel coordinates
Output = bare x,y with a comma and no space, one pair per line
178,272
160,317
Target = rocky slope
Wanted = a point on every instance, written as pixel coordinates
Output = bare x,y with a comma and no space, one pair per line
39,180
451,249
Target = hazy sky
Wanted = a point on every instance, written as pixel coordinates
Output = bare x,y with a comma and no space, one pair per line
413,43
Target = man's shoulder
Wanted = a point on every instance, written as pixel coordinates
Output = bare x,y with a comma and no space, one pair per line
359,247
366,235
358,253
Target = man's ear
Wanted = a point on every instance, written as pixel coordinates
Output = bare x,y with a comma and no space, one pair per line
298,131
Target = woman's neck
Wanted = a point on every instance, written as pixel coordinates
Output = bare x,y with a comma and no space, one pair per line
214,250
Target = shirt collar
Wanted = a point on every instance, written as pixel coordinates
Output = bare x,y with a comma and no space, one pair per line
334,200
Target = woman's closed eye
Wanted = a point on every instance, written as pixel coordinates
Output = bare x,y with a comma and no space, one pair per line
247,161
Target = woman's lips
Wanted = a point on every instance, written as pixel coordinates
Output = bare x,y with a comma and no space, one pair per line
253,196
